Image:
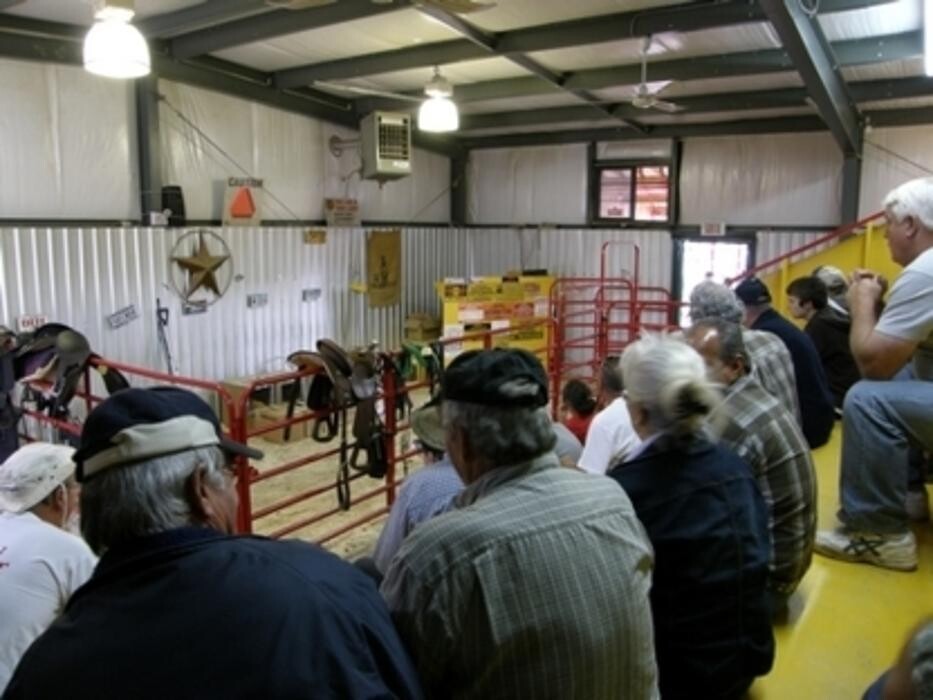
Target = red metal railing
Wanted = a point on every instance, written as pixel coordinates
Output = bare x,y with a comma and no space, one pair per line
842,231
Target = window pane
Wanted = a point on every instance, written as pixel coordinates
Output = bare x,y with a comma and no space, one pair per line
615,194
652,189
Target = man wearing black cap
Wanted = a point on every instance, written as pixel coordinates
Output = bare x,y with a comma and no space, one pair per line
536,583
816,401
177,607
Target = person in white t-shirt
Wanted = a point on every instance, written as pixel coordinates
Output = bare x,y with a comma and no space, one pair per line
41,562
611,438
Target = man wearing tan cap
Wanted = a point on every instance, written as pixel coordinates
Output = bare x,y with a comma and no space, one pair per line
41,564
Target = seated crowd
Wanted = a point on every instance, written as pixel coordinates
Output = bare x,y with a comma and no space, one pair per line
642,551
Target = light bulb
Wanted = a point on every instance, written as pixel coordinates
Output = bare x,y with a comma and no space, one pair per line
114,48
438,114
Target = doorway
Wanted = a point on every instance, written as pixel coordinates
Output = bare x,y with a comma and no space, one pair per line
700,259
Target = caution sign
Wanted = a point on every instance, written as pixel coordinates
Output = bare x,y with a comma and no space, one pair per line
243,202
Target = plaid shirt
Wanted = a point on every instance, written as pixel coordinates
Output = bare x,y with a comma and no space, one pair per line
769,440
536,586
773,368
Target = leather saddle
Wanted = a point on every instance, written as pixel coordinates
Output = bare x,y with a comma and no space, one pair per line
346,380
50,363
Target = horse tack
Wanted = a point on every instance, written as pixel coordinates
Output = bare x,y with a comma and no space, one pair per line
57,354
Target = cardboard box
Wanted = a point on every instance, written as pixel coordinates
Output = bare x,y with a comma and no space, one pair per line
421,328
268,415
235,386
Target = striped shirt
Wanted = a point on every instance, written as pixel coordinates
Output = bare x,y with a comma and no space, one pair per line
535,586
757,428
773,367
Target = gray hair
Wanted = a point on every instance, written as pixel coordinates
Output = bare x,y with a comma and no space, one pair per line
913,198
146,498
731,343
668,378
711,300
501,436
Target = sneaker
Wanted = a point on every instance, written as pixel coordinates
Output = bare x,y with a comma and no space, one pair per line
888,551
917,505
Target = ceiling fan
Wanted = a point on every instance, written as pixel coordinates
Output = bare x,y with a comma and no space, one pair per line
646,97
459,7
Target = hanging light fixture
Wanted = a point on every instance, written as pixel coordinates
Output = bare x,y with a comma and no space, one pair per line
113,47
438,113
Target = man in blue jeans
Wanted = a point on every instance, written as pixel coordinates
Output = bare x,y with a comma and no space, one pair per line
889,414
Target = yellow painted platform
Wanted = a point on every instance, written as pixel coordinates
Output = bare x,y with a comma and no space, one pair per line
847,622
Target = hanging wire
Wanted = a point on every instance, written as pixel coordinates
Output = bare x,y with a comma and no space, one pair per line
894,154
224,153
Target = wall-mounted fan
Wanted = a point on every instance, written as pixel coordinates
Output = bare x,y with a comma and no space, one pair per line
459,7
647,97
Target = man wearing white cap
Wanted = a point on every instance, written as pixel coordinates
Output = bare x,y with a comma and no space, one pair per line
41,564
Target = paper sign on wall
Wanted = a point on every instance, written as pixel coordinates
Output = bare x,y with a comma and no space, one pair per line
31,322
342,212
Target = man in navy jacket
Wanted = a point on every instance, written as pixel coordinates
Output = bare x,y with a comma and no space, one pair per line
179,608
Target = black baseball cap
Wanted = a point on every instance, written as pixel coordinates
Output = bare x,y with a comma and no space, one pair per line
753,292
499,377
134,425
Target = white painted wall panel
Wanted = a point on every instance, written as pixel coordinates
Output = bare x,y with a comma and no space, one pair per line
893,156
67,144
773,179
539,185
291,153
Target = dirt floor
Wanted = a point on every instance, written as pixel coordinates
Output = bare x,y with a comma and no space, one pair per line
357,542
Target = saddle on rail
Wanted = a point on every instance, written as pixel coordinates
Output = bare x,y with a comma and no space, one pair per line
346,380
50,361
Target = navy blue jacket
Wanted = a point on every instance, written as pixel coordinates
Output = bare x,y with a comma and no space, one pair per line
708,524
192,613
813,394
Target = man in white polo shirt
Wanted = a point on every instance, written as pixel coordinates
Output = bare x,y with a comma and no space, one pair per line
611,438
41,563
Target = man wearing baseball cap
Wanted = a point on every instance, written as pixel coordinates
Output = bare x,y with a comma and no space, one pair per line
536,583
178,607
41,563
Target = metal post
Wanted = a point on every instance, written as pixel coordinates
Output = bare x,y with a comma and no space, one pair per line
851,184
458,188
148,146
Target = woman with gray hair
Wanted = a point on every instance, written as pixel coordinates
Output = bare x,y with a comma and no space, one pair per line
708,523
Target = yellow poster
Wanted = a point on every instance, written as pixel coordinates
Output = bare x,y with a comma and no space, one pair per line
384,267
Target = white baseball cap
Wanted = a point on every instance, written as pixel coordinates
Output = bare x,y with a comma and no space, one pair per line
32,473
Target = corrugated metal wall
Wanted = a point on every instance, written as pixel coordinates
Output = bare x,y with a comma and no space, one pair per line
772,244
80,276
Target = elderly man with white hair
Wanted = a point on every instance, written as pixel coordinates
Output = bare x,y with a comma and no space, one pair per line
889,414
41,563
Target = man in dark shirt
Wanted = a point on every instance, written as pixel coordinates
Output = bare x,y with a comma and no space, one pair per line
816,401
179,608
828,328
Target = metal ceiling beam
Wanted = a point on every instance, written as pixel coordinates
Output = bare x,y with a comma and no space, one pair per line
489,43
200,16
589,30
878,118
219,76
273,24
803,38
865,91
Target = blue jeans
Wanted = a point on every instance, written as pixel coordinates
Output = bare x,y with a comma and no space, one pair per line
883,425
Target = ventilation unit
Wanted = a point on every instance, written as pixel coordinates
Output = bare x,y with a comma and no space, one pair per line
386,145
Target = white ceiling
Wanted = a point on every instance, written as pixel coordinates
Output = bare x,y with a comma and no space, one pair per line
81,12
902,103
885,71
889,18
385,32
514,14
510,104
710,117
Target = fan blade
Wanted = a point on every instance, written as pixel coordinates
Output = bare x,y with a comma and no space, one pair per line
655,87
371,92
669,107
459,7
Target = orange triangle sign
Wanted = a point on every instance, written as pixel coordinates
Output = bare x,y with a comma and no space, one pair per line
242,205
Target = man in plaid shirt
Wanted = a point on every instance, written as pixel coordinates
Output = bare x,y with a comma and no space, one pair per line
536,584
764,434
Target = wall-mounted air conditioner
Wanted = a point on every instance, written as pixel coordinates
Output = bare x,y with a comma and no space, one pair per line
385,139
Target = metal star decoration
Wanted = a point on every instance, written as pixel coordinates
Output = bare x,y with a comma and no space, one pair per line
201,267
